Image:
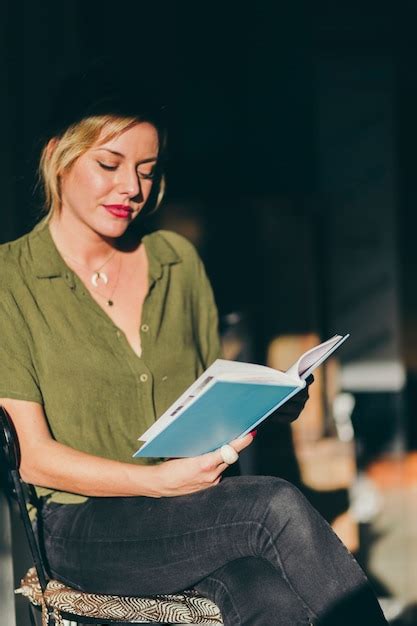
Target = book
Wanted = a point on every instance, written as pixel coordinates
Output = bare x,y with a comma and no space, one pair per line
228,401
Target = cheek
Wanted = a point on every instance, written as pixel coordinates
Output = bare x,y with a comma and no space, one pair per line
87,185
95,181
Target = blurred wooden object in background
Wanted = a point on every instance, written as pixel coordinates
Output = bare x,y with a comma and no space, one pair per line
325,462
282,352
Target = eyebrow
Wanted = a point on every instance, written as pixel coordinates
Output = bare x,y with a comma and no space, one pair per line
148,160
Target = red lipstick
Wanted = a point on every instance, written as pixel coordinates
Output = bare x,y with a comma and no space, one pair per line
119,210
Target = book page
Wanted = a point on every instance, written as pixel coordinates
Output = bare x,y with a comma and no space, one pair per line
311,359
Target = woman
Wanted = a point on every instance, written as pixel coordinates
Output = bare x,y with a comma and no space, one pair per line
81,383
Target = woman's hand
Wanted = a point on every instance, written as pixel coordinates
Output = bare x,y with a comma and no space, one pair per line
179,477
290,410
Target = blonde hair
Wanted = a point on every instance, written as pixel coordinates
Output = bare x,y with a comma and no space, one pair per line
60,153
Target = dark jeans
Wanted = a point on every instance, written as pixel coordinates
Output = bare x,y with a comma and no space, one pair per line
254,545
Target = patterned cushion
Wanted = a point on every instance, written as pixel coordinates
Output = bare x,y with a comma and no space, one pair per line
182,608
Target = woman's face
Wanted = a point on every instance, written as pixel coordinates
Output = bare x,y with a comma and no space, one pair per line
107,186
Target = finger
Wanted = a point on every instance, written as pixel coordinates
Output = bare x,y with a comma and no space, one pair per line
213,460
242,442
220,469
229,454
217,461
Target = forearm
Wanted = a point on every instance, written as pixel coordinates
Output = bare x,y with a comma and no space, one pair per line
54,465
49,463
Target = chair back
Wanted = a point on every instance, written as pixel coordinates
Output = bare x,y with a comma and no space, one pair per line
17,489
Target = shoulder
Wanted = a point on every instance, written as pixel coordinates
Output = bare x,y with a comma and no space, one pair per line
178,243
15,258
10,249
172,247
168,248
10,257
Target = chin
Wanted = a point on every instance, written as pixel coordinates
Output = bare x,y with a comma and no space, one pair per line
113,230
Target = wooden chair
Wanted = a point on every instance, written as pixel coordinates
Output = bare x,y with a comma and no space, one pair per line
58,602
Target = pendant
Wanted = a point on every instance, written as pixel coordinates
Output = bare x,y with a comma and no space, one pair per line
97,276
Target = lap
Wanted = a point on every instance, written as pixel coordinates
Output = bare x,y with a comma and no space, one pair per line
168,543
238,499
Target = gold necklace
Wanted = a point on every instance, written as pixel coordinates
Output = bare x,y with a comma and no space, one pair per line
109,299
98,274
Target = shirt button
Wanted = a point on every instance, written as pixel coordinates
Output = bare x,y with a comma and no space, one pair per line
143,378
144,328
118,334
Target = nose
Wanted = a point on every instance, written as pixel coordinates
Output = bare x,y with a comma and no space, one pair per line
129,182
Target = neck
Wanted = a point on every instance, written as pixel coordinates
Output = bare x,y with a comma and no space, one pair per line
80,242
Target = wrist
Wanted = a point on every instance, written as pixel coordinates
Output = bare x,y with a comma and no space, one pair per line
144,480
154,480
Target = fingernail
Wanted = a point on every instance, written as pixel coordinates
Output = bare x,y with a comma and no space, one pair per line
253,433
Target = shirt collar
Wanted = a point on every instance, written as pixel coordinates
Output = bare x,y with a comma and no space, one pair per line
160,253
48,263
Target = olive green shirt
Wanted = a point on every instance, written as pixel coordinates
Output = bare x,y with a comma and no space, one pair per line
60,349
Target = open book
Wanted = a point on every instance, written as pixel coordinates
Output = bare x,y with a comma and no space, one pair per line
227,401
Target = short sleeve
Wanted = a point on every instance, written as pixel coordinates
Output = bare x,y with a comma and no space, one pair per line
18,378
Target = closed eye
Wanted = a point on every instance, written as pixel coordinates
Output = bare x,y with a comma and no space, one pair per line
147,176
147,171
143,175
110,168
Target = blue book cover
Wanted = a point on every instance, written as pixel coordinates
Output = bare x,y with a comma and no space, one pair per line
228,400
226,410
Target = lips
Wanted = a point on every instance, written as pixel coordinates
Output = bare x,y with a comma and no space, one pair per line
119,210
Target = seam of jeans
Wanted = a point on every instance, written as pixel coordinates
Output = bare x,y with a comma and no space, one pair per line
136,539
163,566
348,552
310,612
229,595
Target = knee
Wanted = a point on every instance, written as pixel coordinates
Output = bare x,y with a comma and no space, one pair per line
287,504
285,495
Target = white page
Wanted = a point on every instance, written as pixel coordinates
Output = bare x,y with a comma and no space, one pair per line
315,357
